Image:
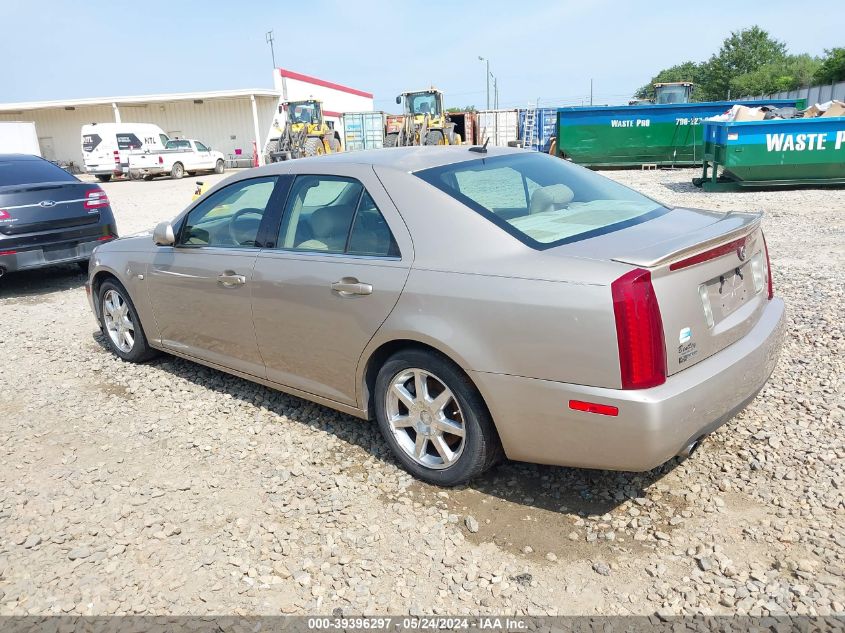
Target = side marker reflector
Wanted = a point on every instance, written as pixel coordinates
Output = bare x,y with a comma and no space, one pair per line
593,407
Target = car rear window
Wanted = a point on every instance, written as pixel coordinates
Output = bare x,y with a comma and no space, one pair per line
24,171
541,200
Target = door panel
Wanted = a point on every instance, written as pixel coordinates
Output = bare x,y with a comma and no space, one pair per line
342,257
311,336
201,289
201,315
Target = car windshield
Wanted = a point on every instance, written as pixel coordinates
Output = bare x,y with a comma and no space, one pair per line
541,200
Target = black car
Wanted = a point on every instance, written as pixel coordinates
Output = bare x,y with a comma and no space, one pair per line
48,216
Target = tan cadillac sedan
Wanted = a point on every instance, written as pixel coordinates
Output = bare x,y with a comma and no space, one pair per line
475,303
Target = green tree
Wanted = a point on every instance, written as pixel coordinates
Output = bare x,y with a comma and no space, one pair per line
741,53
688,71
789,73
832,67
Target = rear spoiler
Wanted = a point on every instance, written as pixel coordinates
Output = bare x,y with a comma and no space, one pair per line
732,227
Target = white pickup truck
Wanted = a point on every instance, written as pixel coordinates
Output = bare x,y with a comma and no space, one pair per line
179,156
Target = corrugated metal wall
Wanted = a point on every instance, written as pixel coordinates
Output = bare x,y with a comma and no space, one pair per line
813,94
224,124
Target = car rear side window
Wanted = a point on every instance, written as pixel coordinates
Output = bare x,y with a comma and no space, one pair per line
541,200
332,214
24,171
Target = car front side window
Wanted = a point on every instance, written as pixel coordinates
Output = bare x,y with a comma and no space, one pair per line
229,218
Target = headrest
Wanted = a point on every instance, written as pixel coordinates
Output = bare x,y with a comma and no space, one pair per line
327,221
548,198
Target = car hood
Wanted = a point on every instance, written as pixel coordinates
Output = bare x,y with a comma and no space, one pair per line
136,242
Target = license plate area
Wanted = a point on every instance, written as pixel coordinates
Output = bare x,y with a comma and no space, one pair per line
723,295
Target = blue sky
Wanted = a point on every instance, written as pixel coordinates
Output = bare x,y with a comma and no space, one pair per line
62,49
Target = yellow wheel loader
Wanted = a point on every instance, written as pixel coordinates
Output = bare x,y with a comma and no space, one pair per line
424,121
305,133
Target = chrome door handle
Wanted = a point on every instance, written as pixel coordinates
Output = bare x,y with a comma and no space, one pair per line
230,279
351,286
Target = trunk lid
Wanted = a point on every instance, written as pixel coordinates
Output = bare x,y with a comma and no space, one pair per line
48,206
709,272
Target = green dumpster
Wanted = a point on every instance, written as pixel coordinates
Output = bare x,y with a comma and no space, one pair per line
663,135
773,153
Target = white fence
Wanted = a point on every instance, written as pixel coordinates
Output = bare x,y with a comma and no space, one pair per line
813,94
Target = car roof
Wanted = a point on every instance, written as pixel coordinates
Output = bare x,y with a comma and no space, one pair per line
20,157
400,158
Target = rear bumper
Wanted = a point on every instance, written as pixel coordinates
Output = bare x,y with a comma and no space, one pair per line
536,424
40,256
149,171
111,170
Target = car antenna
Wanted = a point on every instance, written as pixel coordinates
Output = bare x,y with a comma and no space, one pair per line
482,149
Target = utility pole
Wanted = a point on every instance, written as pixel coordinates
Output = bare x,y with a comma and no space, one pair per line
487,78
269,39
591,91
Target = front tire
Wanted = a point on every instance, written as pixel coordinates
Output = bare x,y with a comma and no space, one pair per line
434,419
313,146
177,171
120,324
219,167
435,137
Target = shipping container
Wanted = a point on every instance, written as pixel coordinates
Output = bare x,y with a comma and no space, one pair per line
773,153
466,125
499,126
363,130
545,128
668,135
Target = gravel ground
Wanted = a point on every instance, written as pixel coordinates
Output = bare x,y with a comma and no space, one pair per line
170,488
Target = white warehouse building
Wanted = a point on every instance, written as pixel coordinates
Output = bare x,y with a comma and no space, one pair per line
229,121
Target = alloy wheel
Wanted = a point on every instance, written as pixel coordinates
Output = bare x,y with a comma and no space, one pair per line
118,321
425,418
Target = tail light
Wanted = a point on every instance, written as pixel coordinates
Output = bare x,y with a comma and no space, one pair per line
161,160
116,157
96,198
4,215
768,269
639,331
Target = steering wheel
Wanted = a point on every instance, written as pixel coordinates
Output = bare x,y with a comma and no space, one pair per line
233,229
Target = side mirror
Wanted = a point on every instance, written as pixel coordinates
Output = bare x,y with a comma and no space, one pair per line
398,100
163,234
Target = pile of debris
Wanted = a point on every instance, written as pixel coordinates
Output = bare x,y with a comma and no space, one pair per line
744,113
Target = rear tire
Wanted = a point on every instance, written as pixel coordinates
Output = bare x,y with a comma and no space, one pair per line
313,146
103,177
177,171
391,140
219,167
120,324
418,439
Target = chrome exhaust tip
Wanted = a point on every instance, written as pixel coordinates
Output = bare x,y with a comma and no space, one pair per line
690,448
